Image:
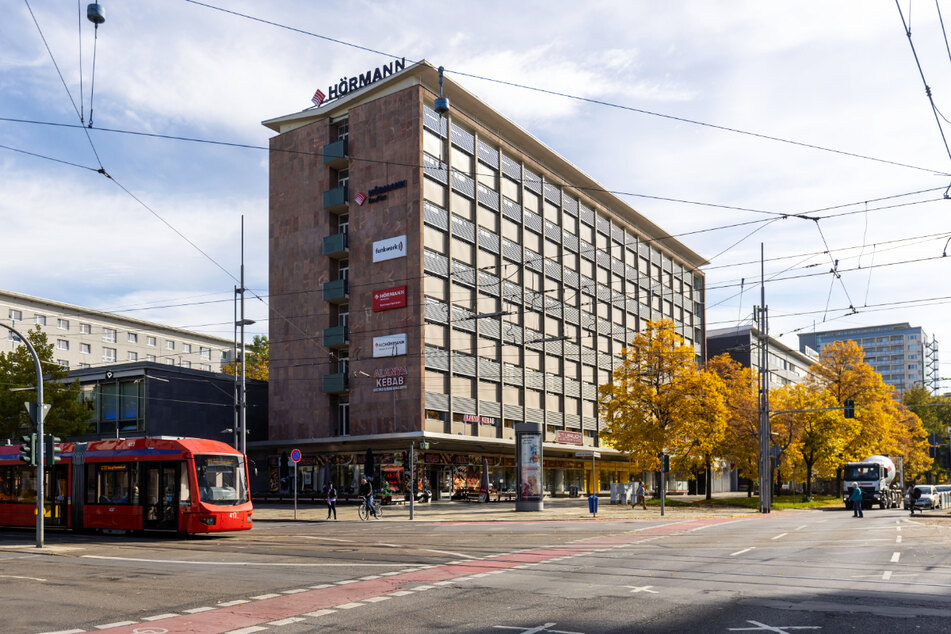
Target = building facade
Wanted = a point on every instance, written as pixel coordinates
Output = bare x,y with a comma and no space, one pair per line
903,354
786,365
438,278
86,338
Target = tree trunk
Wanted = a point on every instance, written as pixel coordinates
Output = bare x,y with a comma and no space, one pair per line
709,474
809,479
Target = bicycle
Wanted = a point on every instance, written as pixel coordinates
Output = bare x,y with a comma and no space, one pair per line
364,511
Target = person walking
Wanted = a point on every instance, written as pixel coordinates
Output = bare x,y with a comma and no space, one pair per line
855,496
914,496
639,496
331,501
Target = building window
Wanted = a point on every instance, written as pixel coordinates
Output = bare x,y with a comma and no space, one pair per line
206,367
186,364
169,345
150,341
16,315
39,320
912,366
85,329
343,413
187,348
62,324
62,344
13,337
109,335
133,338
204,353
133,356
150,357
63,362
169,361
85,348
109,355
83,366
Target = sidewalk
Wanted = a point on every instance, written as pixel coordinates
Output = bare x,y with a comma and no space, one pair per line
556,509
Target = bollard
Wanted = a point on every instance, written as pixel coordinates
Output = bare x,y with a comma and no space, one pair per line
593,505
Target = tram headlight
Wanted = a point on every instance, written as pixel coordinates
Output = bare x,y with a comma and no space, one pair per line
207,520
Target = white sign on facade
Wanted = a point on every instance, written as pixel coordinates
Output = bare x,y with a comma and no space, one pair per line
389,248
389,345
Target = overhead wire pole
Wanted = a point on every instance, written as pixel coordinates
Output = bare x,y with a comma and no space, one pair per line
765,464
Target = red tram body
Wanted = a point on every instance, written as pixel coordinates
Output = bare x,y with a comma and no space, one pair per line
188,485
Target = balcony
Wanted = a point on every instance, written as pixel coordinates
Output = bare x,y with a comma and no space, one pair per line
335,383
335,154
335,200
336,246
337,337
336,292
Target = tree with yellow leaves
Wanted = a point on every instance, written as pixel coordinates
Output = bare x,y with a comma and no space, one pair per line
258,355
741,436
650,405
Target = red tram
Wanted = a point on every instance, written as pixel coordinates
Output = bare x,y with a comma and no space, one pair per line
189,485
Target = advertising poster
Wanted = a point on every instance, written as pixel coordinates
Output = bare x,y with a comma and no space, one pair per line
389,345
530,477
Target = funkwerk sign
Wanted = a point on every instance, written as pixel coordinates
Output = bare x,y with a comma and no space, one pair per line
389,249
347,85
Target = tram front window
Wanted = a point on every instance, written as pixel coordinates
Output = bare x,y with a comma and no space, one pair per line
221,480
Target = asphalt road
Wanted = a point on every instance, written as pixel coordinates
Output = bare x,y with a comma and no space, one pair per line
792,571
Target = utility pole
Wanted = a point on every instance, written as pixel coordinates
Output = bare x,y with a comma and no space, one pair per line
243,401
760,317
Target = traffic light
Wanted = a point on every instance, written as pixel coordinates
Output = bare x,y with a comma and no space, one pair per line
53,449
28,449
849,409
665,466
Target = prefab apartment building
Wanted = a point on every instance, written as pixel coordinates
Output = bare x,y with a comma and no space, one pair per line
438,278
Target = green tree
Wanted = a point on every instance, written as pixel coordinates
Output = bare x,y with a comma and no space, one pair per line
258,354
67,415
649,404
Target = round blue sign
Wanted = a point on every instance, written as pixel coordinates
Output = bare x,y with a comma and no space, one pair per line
295,455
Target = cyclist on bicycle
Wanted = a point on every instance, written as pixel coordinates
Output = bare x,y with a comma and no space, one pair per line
367,492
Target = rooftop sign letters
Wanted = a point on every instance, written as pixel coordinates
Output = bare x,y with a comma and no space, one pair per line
347,85
379,193
388,298
389,249
484,420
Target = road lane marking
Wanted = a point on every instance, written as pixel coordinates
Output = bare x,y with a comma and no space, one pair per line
116,624
345,582
400,593
740,552
65,632
635,589
159,617
330,539
377,599
319,613
321,586
17,577
895,557
247,630
236,563
294,591
898,539
288,621
261,597
230,604
369,578
349,606
778,536
801,527
447,552
886,575
780,629
198,610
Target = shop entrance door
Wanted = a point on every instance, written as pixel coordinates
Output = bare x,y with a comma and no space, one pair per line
160,501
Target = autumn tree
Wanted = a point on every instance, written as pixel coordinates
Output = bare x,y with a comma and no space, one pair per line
67,414
705,425
813,428
935,414
649,404
258,354
741,436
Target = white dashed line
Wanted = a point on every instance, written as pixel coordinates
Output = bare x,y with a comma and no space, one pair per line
349,606
444,583
799,528
288,621
247,630
376,599
198,610
319,613
232,603
116,624
898,539
346,581
895,558
65,632
886,575
298,590
261,597
740,552
421,588
159,617
388,574
321,586
779,536
370,578
400,593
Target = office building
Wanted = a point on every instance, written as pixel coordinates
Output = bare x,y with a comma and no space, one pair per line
786,365
437,278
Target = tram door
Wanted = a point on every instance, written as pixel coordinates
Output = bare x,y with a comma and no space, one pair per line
56,492
160,502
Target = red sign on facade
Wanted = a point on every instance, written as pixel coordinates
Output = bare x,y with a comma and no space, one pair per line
568,437
388,298
484,420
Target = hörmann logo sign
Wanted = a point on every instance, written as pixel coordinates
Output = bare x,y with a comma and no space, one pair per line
389,345
387,298
389,249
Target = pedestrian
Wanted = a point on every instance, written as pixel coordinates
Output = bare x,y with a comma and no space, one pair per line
331,501
855,496
914,497
639,496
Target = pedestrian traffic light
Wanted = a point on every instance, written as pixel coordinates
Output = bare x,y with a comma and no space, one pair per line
28,449
666,463
849,409
53,449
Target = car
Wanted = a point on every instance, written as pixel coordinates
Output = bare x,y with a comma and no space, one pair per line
930,497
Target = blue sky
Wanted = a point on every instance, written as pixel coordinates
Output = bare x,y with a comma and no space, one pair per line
840,75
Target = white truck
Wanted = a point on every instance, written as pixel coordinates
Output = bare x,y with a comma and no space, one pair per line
875,476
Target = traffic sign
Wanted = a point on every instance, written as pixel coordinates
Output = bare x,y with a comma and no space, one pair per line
295,456
587,454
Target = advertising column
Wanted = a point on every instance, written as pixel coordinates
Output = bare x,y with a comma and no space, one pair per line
528,467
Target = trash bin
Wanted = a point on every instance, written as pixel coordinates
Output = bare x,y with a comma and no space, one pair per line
593,504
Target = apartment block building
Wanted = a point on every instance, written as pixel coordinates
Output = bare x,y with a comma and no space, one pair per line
438,277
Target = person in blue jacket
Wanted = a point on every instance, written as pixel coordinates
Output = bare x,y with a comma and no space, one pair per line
856,498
